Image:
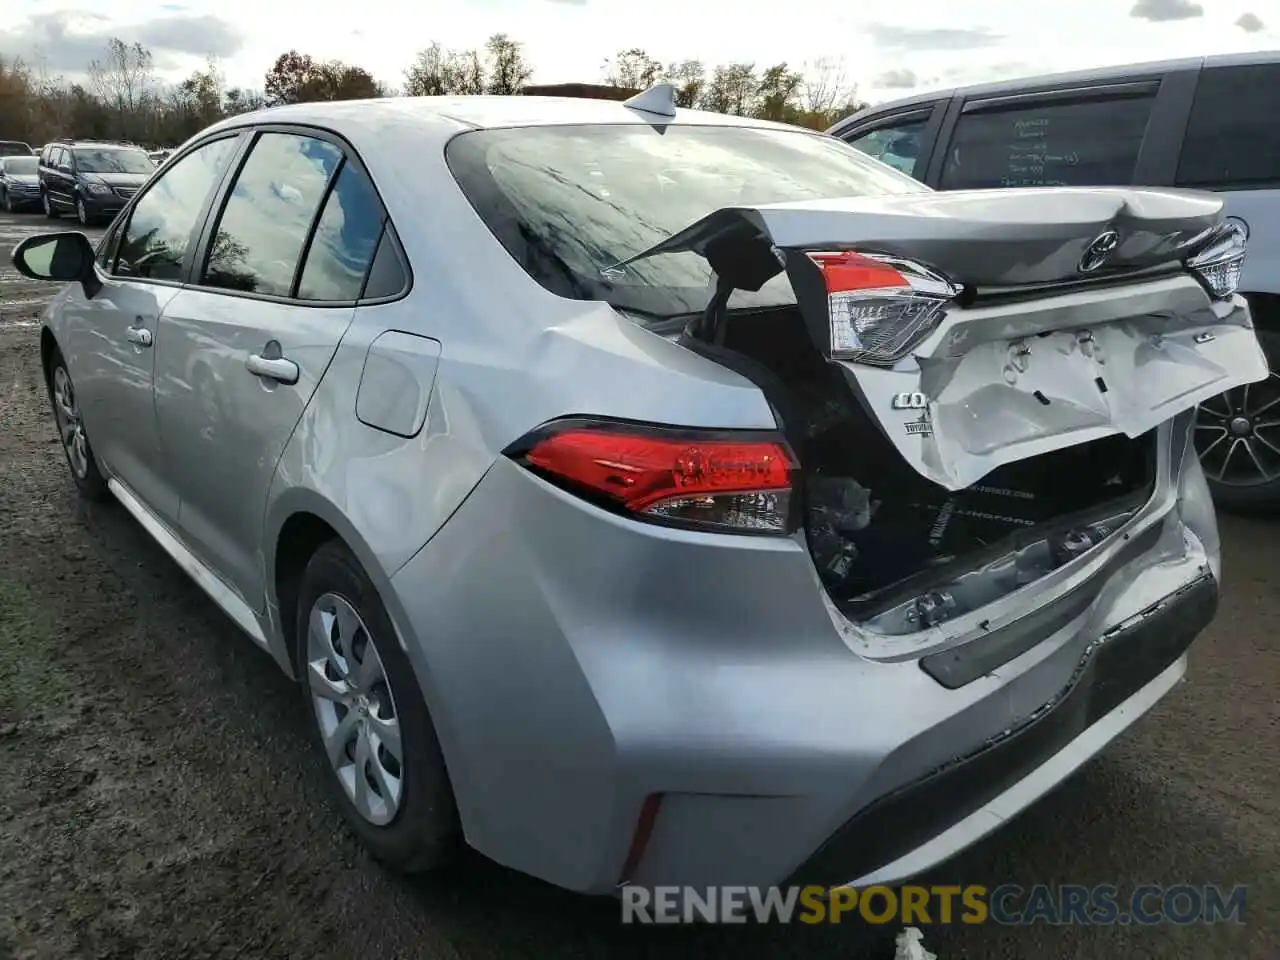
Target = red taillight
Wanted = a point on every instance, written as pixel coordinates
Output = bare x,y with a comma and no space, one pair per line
880,306
693,478
846,271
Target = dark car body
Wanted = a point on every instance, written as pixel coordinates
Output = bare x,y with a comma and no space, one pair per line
19,183
90,179
1207,123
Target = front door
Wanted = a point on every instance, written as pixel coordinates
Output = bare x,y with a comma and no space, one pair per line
246,346
111,341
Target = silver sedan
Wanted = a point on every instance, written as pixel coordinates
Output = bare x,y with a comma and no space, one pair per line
651,496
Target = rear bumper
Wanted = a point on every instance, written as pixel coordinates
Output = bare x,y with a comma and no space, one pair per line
924,823
577,664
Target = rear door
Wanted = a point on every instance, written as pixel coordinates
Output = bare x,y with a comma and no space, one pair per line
904,138
1232,146
275,283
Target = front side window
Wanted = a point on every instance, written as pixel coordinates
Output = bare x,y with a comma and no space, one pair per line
1082,143
155,241
268,214
568,202
1233,137
898,145
344,241
112,160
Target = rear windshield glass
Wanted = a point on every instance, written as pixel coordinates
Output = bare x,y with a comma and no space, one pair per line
569,201
113,161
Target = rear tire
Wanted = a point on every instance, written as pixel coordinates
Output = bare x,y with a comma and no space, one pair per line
1236,491
71,433
404,811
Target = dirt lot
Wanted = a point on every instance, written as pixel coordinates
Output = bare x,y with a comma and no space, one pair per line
157,798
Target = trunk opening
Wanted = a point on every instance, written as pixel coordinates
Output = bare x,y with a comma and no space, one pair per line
896,551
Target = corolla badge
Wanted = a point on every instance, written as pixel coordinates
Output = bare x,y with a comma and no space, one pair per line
1099,251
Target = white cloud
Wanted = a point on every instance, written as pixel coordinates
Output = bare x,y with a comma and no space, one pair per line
938,43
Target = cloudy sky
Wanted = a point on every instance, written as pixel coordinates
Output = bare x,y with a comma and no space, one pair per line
886,46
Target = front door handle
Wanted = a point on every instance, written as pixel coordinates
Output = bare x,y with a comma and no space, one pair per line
139,335
285,371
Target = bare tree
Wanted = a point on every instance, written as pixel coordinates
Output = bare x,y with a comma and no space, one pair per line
427,75
826,85
508,71
632,70
689,78
121,79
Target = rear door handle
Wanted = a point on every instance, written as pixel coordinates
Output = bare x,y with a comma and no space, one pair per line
285,371
139,335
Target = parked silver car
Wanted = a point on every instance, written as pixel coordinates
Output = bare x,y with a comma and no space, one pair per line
652,496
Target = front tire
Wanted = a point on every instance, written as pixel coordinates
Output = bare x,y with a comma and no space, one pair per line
71,434
1238,439
81,213
49,210
373,732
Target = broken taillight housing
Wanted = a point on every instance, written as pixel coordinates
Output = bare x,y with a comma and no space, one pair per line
728,481
880,306
1219,263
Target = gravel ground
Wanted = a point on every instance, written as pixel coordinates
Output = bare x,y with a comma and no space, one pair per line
157,797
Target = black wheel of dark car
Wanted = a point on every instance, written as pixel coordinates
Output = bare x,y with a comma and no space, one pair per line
71,434
81,213
49,210
7,201
380,751
1238,439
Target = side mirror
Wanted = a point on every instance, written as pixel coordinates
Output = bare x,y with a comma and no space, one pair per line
60,257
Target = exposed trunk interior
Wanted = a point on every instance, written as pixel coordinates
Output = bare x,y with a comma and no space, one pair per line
881,535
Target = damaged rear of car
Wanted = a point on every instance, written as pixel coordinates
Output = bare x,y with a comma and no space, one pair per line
983,406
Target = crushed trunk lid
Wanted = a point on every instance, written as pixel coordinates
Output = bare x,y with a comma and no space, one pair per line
1065,315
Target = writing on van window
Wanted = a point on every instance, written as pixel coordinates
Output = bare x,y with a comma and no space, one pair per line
1080,143
1033,158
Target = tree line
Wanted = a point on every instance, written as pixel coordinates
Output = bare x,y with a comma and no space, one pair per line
121,97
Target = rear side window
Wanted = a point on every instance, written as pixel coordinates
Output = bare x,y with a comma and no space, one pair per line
344,242
898,144
1087,142
264,224
154,243
1233,137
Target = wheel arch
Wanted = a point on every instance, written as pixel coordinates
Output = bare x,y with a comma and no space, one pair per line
48,347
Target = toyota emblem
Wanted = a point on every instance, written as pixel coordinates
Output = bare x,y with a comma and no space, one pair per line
1098,251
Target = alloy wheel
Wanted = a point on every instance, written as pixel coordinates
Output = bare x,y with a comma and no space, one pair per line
70,427
48,209
1238,434
81,214
355,709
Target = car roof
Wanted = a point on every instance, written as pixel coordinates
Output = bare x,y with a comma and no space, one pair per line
1093,75
438,118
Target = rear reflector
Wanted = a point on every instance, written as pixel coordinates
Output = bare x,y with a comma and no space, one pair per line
717,480
880,306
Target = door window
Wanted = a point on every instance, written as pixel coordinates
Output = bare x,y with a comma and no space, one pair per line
268,215
1233,137
1087,142
897,145
154,243
344,241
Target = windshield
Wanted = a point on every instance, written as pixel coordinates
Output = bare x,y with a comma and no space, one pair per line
113,161
21,165
569,201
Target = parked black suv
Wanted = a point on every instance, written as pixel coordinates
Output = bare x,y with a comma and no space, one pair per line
94,180
1207,124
